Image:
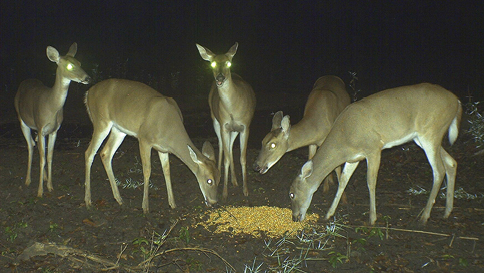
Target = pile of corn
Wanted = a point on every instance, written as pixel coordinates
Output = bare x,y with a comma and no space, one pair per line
271,221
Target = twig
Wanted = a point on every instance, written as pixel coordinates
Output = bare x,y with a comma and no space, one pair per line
426,232
203,250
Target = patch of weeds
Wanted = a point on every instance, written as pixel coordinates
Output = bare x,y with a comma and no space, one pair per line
476,121
259,190
53,227
12,232
360,243
372,232
184,235
336,258
194,264
463,262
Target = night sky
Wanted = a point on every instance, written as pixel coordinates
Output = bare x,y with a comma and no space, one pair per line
283,45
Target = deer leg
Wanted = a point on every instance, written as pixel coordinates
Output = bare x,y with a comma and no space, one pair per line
348,170
41,143
450,171
30,146
225,142
115,139
145,153
100,132
373,164
233,177
433,153
216,127
50,153
244,138
165,164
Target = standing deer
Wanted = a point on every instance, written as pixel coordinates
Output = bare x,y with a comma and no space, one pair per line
40,108
232,105
422,113
325,102
122,107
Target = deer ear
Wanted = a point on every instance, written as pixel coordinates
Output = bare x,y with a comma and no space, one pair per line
286,125
53,54
72,50
206,54
193,155
276,120
208,151
307,169
232,51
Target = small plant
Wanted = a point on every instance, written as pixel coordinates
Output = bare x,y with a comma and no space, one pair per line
336,258
53,227
476,121
194,264
463,262
12,232
184,235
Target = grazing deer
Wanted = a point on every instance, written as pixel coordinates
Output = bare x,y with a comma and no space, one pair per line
122,107
422,113
232,105
40,108
325,102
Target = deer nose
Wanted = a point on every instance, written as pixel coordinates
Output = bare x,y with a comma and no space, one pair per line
220,78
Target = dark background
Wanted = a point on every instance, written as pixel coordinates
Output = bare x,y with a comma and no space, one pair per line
284,46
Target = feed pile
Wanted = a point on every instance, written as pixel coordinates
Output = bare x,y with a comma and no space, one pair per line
272,221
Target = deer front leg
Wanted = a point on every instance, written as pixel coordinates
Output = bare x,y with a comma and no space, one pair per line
373,164
348,170
244,138
50,153
145,154
165,164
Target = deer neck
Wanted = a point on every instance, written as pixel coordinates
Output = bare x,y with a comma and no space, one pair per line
301,135
58,93
227,91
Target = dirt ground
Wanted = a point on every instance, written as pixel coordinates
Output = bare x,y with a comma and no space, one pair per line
56,233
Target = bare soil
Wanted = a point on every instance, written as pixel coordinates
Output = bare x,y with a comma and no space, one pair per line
117,238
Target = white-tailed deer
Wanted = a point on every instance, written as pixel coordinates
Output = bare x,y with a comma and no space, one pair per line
40,108
422,113
232,105
325,102
122,107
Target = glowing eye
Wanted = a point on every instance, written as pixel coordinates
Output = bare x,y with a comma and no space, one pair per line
273,145
229,64
70,66
213,64
210,181
291,195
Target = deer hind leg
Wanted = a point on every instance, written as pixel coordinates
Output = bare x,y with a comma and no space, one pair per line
115,139
348,171
450,171
433,152
30,146
244,138
373,165
145,153
101,131
41,146
50,154
165,164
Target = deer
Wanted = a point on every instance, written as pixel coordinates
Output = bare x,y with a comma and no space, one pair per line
121,107
422,113
232,104
327,100
40,108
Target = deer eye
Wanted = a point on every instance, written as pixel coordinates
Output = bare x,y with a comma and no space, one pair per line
273,145
228,64
69,67
291,195
209,181
213,64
